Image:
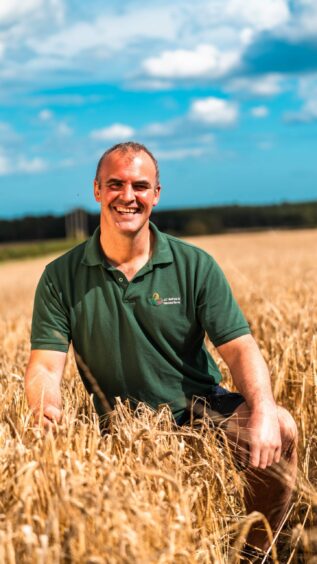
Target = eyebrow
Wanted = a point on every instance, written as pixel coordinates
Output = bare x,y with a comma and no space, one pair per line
114,180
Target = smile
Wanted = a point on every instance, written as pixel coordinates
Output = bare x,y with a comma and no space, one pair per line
123,210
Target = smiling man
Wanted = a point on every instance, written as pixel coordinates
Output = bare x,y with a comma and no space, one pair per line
136,305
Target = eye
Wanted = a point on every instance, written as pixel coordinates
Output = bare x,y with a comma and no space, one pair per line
114,185
140,187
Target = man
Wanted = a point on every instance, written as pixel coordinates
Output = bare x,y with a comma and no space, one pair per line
136,304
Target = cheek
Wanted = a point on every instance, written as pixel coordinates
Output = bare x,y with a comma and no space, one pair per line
147,199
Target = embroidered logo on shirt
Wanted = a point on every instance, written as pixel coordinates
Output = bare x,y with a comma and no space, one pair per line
157,300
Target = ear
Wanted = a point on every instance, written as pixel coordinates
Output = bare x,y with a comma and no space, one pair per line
157,193
97,191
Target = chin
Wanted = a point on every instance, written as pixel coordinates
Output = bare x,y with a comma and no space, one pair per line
130,226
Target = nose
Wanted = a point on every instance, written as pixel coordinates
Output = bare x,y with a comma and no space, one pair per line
127,193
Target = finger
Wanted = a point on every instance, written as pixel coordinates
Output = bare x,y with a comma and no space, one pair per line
53,413
277,455
263,458
270,457
254,459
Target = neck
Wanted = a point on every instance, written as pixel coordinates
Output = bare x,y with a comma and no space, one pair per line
123,249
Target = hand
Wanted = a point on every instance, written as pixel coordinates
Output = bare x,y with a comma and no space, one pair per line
263,436
52,415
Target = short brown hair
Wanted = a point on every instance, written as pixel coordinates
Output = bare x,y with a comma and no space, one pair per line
125,148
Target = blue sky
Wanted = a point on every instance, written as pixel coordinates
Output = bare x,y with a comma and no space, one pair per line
224,92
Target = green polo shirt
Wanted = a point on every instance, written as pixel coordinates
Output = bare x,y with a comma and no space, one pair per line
143,339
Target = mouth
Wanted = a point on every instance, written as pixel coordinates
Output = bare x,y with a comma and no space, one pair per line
122,210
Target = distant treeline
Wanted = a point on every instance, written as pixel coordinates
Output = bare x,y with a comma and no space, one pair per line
195,221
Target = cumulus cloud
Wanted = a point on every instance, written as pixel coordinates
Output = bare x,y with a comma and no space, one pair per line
21,164
112,31
45,115
261,15
8,136
115,132
181,41
60,128
148,84
181,153
63,129
214,111
11,11
29,166
205,60
259,111
307,91
158,130
264,85
5,166
304,21
2,49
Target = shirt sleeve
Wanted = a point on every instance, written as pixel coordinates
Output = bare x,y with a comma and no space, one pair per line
218,311
50,322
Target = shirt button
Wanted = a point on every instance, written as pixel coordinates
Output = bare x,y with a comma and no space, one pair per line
120,279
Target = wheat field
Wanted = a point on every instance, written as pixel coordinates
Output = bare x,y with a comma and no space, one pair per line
149,492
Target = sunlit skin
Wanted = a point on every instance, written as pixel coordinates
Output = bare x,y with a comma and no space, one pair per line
127,190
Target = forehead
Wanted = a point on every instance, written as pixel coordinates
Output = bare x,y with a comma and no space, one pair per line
121,164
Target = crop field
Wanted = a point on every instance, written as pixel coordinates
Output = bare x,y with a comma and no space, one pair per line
149,492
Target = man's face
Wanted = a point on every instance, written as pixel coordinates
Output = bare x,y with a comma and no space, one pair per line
127,191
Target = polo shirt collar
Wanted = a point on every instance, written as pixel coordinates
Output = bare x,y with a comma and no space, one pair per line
94,256
162,253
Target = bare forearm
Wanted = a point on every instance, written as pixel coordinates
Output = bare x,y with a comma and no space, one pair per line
42,384
42,390
251,377
249,372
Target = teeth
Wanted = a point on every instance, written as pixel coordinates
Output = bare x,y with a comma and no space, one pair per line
126,210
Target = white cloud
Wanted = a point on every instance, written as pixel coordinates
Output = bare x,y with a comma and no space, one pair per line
117,131
304,21
181,153
59,10
265,85
158,129
20,164
5,167
259,111
148,84
63,129
307,91
45,115
260,14
8,135
112,31
205,60
60,127
15,9
31,165
247,36
180,39
214,111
